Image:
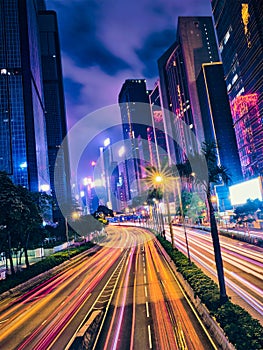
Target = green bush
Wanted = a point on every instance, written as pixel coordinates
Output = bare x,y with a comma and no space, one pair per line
242,330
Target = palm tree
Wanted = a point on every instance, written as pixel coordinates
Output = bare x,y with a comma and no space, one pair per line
216,174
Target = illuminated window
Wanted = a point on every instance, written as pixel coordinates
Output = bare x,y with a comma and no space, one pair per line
245,18
227,36
240,92
234,79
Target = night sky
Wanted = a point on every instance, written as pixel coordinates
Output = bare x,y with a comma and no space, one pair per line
105,42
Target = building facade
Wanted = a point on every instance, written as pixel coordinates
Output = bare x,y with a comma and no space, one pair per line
218,125
32,114
193,90
23,143
55,113
179,68
136,118
217,118
155,133
240,36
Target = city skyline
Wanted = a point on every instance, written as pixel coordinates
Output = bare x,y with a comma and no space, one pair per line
111,42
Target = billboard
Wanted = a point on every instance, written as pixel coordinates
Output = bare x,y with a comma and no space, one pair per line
251,189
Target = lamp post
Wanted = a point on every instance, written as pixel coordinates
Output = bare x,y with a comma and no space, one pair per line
93,163
159,180
182,213
66,227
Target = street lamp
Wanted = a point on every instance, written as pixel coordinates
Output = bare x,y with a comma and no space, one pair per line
183,217
66,228
165,179
160,180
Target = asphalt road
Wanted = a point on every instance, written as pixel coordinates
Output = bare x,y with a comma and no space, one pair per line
128,281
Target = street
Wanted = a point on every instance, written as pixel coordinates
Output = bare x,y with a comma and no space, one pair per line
130,284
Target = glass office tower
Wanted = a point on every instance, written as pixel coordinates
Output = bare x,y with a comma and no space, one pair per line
238,24
136,118
55,113
23,144
179,67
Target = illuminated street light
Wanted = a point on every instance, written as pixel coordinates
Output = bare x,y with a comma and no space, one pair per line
159,179
85,181
106,142
121,151
165,179
45,187
75,215
182,213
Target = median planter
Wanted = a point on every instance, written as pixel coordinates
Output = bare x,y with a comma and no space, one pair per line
230,325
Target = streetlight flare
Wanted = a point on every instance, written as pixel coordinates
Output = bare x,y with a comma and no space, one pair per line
159,178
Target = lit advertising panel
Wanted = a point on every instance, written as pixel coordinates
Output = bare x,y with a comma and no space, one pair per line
240,193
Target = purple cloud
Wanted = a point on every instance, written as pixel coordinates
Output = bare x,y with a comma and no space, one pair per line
103,43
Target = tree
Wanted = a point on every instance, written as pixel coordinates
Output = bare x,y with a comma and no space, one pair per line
246,213
31,219
19,217
11,209
216,174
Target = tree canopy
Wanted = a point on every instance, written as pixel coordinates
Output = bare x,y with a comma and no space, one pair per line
21,217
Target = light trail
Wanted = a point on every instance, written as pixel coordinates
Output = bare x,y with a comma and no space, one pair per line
245,295
36,307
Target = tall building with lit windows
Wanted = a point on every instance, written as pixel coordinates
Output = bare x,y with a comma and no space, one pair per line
155,133
23,144
195,98
55,112
179,68
32,112
238,24
136,117
218,125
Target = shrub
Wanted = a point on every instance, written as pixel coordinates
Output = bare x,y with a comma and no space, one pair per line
242,330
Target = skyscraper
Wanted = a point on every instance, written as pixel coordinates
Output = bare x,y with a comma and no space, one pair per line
23,144
197,40
217,118
179,67
32,115
136,117
194,90
239,29
156,134
55,114
218,124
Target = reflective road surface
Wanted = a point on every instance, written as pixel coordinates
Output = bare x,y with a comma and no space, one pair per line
122,296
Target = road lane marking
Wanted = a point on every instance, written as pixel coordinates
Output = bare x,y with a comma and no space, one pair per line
144,271
144,278
150,336
145,289
147,309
